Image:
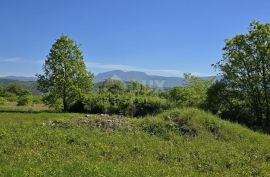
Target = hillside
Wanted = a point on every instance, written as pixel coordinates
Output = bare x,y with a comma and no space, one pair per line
185,142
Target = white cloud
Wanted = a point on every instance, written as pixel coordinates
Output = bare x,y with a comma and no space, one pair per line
20,60
11,60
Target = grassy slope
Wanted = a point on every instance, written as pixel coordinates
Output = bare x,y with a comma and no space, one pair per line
144,147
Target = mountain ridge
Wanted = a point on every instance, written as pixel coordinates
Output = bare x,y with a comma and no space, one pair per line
153,81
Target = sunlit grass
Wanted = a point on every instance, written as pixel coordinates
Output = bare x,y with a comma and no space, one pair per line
142,147
12,107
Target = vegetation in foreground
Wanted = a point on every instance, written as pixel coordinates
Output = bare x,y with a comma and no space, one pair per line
179,142
185,142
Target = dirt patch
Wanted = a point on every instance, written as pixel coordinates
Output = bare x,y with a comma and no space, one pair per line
104,122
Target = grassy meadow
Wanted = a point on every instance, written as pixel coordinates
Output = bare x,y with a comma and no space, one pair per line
32,108
179,142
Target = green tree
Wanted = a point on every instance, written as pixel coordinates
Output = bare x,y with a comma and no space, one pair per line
24,100
245,66
3,100
193,94
112,86
137,88
2,91
17,90
65,76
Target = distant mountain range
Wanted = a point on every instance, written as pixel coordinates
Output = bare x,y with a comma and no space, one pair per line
149,80
19,78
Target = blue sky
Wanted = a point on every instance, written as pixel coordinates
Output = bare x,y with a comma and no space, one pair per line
163,37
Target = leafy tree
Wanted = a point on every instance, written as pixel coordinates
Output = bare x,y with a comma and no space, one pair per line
24,100
217,97
65,76
228,104
3,101
16,90
193,94
137,88
2,91
112,86
245,66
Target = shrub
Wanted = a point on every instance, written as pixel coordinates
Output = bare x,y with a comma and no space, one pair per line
3,101
24,100
149,105
125,104
160,129
192,95
37,99
112,86
17,90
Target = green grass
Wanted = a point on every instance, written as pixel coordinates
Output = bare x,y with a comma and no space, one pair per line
186,142
12,107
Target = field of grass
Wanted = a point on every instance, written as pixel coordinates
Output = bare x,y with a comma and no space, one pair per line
185,142
12,107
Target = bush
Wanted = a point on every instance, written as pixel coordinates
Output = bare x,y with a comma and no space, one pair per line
37,100
112,86
12,98
144,105
125,104
192,95
17,90
229,104
24,100
3,101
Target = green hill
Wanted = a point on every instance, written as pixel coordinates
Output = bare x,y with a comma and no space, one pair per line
185,142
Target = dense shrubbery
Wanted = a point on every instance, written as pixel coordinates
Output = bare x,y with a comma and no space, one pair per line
230,104
15,93
24,100
115,97
191,95
3,101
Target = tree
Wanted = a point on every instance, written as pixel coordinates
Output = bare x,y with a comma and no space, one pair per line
24,100
65,76
17,90
112,86
137,88
193,94
228,104
245,66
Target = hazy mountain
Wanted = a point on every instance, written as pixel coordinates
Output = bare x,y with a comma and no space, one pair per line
19,78
150,80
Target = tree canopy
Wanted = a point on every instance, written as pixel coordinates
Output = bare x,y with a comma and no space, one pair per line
245,67
65,78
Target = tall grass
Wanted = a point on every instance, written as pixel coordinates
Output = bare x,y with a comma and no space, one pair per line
13,107
149,146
